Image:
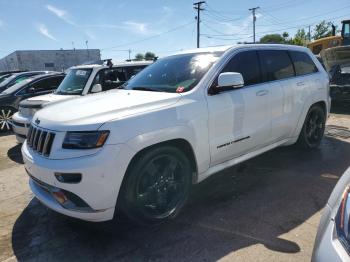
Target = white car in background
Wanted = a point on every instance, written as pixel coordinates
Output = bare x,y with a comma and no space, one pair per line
177,122
332,241
80,80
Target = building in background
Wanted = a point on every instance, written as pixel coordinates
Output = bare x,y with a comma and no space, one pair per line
53,60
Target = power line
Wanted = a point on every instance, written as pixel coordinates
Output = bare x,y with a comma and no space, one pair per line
148,38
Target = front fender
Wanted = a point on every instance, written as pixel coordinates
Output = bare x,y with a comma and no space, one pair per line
201,152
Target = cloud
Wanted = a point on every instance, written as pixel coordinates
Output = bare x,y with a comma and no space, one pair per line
136,27
90,34
45,31
61,14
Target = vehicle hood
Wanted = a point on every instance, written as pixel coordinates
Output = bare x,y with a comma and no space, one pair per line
91,111
44,100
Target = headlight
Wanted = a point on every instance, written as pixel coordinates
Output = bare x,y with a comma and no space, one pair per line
25,111
85,140
342,220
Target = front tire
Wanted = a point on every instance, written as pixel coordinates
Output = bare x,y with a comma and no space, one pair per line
156,185
5,118
313,129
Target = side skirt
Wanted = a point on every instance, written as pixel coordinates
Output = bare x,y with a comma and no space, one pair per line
237,160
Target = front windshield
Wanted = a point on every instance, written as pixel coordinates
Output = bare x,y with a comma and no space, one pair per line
178,73
17,86
74,82
4,77
8,80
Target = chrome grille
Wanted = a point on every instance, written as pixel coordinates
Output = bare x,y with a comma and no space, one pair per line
40,140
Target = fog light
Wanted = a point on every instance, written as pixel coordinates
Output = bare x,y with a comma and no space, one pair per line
60,197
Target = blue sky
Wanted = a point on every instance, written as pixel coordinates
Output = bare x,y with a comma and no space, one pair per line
159,26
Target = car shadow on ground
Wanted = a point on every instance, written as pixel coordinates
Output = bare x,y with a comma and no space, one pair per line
5,133
253,203
14,153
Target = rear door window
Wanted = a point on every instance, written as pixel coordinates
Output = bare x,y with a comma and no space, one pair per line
247,64
303,63
276,65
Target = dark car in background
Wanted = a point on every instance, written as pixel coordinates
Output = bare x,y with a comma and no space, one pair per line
29,87
15,78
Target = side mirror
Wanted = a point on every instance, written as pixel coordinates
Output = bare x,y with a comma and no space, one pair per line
96,88
229,81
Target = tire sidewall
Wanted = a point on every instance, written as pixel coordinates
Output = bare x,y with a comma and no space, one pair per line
128,190
304,141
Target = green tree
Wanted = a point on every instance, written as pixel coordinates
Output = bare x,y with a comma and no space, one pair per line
322,29
299,38
272,38
150,55
139,57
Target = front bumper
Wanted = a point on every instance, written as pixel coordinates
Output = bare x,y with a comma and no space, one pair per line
20,125
102,175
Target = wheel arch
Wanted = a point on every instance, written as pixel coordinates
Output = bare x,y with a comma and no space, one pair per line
179,143
302,118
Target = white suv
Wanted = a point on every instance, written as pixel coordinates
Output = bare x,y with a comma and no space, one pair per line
80,80
180,120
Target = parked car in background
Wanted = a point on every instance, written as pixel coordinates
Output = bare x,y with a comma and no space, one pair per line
177,122
332,241
32,86
18,77
11,72
340,83
80,80
4,77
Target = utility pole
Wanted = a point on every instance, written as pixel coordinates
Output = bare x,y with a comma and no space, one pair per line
254,20
87,48
309,33
129,51
197,6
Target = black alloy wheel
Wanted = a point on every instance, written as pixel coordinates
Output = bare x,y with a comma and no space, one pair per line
314,127
157,185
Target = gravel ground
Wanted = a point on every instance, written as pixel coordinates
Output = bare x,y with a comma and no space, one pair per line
266,209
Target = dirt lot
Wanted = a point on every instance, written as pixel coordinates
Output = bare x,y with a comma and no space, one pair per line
266,209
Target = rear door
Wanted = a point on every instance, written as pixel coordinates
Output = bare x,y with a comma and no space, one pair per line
278,71
305,84
239,119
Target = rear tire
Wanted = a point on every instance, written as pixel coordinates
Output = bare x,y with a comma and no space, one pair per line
6,113
156,185
313,129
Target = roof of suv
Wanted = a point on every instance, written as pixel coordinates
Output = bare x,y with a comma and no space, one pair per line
227,47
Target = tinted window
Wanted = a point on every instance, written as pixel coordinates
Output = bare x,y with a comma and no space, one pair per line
47,84
276,65
303,63
247,64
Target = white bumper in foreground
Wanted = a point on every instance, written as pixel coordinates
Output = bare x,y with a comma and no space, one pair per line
101,177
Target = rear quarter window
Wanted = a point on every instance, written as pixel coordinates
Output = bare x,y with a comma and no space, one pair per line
303,63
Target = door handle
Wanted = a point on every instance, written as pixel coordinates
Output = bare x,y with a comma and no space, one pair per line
262,92
300,84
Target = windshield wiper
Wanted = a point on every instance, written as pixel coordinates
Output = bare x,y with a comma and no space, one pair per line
146,89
